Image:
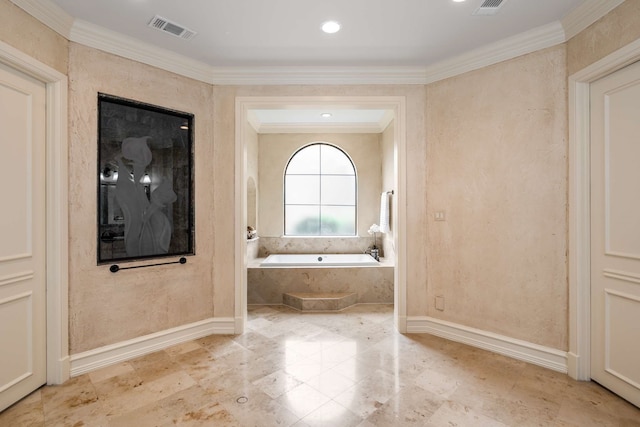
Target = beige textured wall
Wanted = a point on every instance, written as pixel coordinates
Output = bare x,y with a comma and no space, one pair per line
24,32
497,167
104,307
618,28
276,150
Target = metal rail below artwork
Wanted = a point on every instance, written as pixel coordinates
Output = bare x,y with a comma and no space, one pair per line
115,267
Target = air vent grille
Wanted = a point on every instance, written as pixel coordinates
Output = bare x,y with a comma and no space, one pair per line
165,25
489,7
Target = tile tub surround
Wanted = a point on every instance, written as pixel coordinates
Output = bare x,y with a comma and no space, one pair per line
372,284
347,369
323,245
324,301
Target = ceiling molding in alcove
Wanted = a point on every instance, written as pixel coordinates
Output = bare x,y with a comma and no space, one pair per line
309,120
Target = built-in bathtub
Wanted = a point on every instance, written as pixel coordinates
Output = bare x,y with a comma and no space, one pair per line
318,260
269,278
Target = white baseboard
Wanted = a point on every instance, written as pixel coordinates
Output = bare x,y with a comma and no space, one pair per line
91,360
522,350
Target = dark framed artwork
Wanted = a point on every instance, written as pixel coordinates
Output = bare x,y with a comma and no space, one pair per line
145,181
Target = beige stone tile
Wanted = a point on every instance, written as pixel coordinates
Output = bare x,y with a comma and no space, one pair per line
437,383
329,415
231,385
118,384
378,356
182,348
27,412
70,397
92,414
262,366
110,372
335,352
302,400
410,407
258,323
277,383
368,395
254,341
330,383
454,414
575,412
306,369
260,410
155,365
192,406
483,392
354,369
543,379
277,329
353,360
146,393
200,364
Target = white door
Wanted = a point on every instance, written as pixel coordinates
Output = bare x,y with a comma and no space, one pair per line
22,236
615,232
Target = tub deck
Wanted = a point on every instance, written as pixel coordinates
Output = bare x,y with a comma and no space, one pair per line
371,283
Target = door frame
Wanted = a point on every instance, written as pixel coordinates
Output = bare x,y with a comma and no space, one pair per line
395,103
57,230
579,356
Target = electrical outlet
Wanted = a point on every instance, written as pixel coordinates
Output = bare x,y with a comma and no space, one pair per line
439,216
440,303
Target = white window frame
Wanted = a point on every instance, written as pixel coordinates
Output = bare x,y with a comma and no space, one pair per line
320,174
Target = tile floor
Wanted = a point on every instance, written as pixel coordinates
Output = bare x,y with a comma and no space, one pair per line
332,369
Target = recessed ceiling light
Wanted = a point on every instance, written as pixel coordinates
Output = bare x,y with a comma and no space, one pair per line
326,115
458,1
331,27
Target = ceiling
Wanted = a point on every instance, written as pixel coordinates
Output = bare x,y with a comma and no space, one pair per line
248,33
241,35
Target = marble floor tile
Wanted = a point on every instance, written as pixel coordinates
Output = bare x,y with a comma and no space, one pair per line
342,369
410,407
277,383
331,383
302,400
455,414
330,414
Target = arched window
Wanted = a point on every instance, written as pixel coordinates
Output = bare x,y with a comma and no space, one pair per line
320,192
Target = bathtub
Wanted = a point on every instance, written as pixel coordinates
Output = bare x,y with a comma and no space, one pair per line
318,260
268,278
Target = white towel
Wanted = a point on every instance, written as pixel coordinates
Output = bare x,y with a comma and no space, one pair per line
384,212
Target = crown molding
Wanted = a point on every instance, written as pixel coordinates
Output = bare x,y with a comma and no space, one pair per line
509,48
317,75
319,128
49,13
112,42
586,14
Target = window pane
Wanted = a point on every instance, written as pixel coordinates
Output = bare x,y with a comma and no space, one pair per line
338,190
305,161
334,161
302,220
338,220
302,190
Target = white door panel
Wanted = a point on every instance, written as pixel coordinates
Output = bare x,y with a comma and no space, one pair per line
22,236
615,232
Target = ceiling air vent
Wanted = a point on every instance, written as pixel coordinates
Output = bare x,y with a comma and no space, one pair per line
489,7
163,24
